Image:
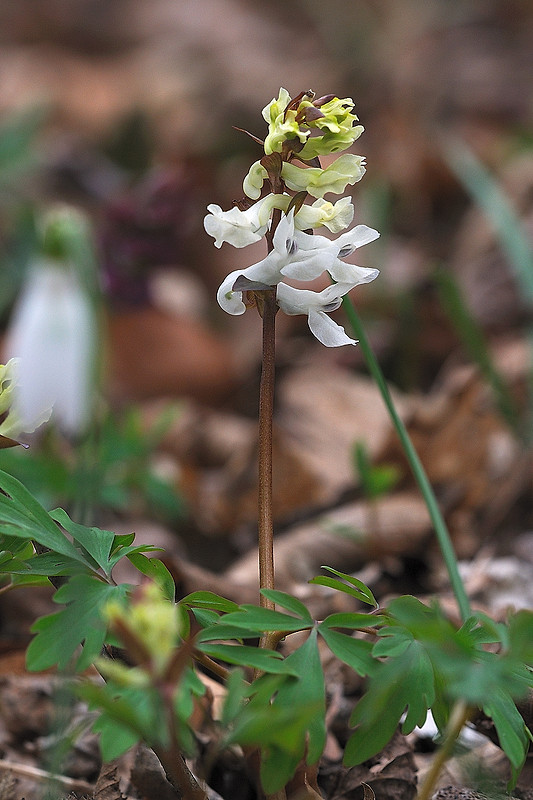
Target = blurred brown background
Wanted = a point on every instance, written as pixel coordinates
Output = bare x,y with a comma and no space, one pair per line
137,101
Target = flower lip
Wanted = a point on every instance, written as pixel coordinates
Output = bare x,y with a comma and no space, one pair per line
316,306
333,305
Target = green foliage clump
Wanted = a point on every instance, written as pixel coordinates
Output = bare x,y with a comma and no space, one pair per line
413,658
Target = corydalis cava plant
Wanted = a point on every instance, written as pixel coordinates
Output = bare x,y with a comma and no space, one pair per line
300,131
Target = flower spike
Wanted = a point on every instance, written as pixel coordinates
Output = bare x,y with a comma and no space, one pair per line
300,129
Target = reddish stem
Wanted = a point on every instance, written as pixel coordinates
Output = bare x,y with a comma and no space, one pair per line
266,410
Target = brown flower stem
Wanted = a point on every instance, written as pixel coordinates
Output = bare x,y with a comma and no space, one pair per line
268,309
266,410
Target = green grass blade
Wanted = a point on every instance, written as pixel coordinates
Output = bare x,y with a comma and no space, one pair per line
489,196
419,472
514,241
473,340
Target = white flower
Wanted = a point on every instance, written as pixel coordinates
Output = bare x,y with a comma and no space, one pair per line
331,252
52,335
317,305
269,271
334,216
239,228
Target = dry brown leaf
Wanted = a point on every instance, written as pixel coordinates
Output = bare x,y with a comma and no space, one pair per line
108,783
391,774
470,456
345,538
153,353
324,411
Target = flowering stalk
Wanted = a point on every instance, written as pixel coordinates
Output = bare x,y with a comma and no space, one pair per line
300,130
266,411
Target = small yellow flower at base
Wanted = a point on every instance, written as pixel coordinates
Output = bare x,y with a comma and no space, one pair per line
151,621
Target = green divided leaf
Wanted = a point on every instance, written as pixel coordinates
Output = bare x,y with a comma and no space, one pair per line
13,546
403,682
256,620
156,570
289,603
81,621
512,732
49,564
348,584
244,656
125,552
284,716
22,516
353,620
521,637
209,600
307,689
357,653
127,715
236,691
98,543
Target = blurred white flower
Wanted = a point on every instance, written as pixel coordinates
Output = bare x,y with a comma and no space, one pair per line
51,334
12,426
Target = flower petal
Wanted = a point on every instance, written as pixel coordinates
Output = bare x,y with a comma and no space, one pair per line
253,181
308,265
316,305
356,237
351,273
229,300
327,331
347,169
334,216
